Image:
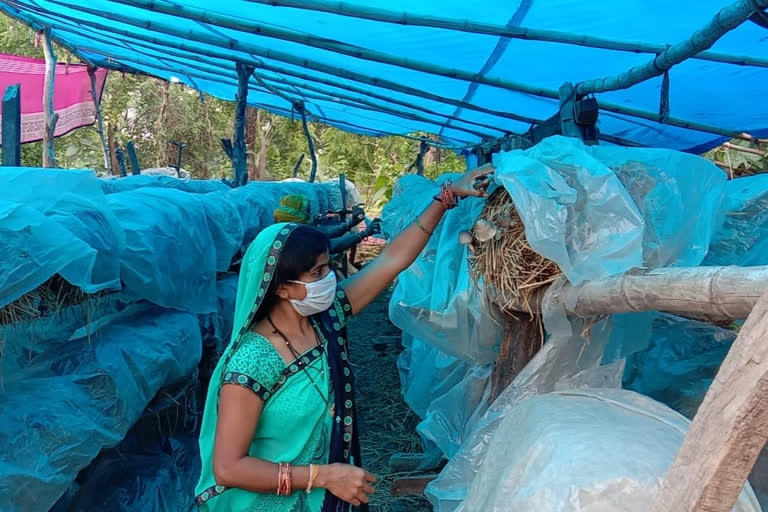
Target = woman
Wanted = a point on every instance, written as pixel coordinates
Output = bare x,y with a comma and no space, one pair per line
279,430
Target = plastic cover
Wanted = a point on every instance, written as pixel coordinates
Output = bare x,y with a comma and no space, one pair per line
79,386
435,299
113,185
743,238
55,222
581,451
600,211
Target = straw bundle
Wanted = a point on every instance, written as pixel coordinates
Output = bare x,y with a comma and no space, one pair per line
48,298
500,254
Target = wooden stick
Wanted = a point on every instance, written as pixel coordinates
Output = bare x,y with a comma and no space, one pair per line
310,142
707,293
473,27
726,20
11,126
241,103
729,430
241,24
49,155
100,121
752,151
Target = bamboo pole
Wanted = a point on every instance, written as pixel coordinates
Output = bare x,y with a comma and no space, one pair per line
210,74
193,53
100,121
352,51
49,154
706,293
473,27
726,20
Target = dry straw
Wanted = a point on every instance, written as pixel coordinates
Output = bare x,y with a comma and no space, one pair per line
506,262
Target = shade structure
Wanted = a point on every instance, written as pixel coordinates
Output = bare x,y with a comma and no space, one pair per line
465,71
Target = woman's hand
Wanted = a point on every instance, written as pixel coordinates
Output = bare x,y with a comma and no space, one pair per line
346,482
474,182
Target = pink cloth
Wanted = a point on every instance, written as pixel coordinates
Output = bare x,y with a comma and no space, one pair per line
71,94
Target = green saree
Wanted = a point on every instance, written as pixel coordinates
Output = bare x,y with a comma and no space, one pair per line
308,414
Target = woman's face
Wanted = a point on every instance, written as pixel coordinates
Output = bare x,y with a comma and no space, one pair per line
317,272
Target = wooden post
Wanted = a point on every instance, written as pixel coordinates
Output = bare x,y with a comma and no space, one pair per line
100,121
112,144
121,162
49,155
310,142
522,339
729,430
133,158
11,127
239,153
297,165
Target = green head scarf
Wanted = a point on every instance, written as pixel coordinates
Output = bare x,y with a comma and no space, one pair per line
293,208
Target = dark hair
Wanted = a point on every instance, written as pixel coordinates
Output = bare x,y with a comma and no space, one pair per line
299,255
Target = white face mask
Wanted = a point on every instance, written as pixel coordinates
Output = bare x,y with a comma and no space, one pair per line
319,297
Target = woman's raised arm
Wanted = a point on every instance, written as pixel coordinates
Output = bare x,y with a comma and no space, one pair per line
366,285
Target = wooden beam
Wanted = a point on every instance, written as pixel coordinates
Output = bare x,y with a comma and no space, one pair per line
724,21
728,431
11,126
49,154
239,150
100,121
706,293
133,158
742,149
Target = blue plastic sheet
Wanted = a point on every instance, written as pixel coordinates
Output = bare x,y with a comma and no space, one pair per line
202,55
113,185
52,222
66,395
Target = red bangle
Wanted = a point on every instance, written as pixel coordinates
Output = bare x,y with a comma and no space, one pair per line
447,197
283,479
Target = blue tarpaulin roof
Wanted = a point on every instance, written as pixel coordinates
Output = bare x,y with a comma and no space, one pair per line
360,70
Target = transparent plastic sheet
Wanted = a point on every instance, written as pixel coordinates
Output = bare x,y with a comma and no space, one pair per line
572,453
593,224
126,183
435,300
54,221
169,258
599,211
334,195
80,387
743,238
445,392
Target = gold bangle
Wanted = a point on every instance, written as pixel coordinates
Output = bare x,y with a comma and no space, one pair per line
421,227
